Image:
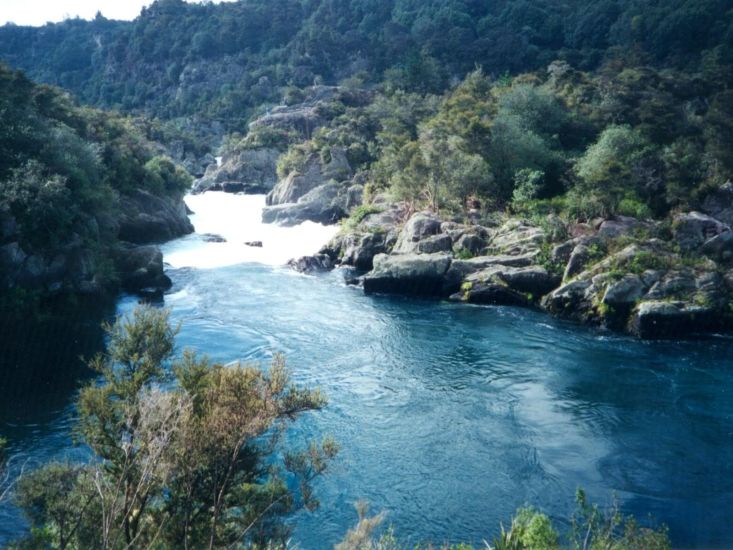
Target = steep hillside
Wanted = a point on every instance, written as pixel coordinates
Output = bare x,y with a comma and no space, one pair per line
74,182
219,62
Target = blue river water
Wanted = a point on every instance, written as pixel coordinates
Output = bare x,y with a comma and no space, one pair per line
451,416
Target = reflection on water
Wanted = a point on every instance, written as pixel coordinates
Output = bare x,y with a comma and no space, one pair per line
452,416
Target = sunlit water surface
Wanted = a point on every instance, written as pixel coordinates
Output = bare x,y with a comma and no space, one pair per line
449,416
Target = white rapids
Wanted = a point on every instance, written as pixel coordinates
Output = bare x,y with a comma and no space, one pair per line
238,219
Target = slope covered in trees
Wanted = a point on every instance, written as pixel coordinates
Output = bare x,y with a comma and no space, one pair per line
65,170
223,61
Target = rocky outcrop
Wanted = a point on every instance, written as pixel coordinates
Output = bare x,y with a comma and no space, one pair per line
420,226
320,193
413,274
615,275
312,113
249,171
312,264
691,230
147,218
140,269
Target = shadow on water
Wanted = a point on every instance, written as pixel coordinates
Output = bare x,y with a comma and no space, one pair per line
41,368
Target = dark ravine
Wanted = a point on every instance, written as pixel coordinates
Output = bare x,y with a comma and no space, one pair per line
643,278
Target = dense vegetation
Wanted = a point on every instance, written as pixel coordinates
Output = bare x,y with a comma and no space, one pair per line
184,452
64,167
580,109
223,61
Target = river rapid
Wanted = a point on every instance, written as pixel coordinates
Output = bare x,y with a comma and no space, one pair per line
449,416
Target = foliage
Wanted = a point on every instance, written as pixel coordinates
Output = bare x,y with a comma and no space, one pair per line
591,529
180,58
187,461
358,214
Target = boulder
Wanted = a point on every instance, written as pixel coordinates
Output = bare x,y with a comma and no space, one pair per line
668,319
250,171
147,218
720,247
516,238
719,204
359,250
436,243
692,230
624,294
533,280
140,268
573,300
621,226
490,294
325,204
420,226
579,258
298,184
414,274
471,243
254,244
312,264
460,269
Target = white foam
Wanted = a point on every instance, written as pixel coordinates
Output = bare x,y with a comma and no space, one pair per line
238,218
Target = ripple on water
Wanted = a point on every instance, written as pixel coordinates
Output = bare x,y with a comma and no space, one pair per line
452,416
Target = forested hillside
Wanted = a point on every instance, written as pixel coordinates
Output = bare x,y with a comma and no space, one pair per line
73,179
580,111
222,61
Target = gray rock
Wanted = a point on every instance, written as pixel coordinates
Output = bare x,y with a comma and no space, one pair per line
491,294
470,242
572,300
674,284
254,244
624,293
534,280
719,204
359,250
461,269
312,264
297,185
516,238
693,229
420,226
655,319
325,204
212,238
561,253
436,243
315,174
720,247
415,274
147,218
12,256
140,268
621,226
579,258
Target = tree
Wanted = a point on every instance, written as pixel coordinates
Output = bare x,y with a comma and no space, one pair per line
608,171
184,451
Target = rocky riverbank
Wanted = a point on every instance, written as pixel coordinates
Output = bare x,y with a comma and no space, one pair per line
647,278
117,250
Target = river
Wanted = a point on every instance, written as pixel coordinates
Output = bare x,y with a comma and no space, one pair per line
449,416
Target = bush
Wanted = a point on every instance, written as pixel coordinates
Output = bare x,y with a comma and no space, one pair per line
188,460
